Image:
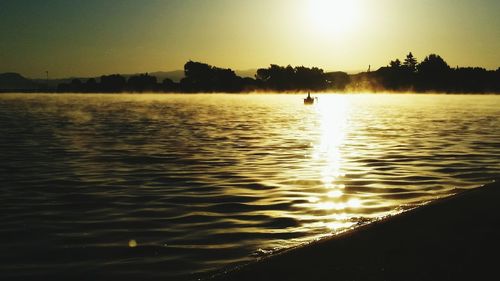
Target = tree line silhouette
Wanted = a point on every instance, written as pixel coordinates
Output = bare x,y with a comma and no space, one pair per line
431,74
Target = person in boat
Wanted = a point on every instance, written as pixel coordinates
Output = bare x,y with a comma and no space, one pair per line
309,99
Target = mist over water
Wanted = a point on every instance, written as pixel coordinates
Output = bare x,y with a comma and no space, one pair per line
139,187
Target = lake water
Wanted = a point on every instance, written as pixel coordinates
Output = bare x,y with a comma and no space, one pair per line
172,187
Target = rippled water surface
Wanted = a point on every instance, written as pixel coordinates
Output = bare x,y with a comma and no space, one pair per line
170,187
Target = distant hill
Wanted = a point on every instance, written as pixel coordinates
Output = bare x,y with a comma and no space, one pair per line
54,82
246,73
175,75
15,81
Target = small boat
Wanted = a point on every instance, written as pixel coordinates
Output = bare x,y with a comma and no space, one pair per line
309,99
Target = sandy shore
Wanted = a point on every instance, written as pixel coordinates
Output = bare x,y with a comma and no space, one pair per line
456,238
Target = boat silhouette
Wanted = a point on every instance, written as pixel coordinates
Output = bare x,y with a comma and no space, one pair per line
309,100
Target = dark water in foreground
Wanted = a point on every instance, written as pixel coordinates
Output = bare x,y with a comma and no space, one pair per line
170,187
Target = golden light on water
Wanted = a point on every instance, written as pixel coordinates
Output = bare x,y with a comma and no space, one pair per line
337,225
330,205
193,177
353,203
332,115
335,194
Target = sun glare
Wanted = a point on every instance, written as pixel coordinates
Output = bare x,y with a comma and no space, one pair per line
334,16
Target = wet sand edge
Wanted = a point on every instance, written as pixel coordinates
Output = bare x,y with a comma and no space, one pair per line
454,238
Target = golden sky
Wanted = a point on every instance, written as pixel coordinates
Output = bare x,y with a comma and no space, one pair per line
92,37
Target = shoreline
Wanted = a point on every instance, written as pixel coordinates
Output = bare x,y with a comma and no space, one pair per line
453,238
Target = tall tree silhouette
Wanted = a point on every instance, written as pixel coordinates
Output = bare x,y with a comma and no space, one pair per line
168,85
410,63
433,64
289,78
91,85
395,64
397,76
76,85
434,73
142,83
113,83
201,77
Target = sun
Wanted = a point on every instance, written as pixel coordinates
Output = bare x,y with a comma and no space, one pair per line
334,16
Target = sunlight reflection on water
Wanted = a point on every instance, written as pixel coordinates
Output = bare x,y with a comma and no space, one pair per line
174,186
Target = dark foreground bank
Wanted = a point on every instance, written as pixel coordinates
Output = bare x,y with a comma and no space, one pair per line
456,238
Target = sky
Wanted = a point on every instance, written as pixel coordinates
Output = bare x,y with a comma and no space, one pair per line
83,38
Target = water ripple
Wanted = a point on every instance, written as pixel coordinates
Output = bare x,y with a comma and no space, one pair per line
174,186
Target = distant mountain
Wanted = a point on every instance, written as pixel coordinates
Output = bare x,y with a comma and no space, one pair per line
15,81
246,73
175,75
54,82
